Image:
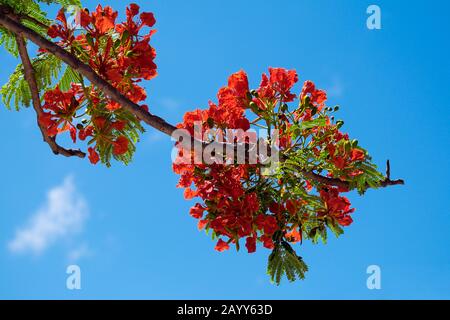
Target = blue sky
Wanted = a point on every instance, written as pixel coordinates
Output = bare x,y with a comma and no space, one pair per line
133,236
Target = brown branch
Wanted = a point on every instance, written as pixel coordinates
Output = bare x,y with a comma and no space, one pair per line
7,20
31,80
336,182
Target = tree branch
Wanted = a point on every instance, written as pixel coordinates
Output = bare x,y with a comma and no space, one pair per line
345,184
31,79
8,21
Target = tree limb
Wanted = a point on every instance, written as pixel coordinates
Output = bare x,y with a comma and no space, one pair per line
8,21
336,182
31,79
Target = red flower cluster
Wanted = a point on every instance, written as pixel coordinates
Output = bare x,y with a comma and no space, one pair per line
336,206
342,154
119,54
233,100
232,209
317,96
62,107
276,87
234,205
105,132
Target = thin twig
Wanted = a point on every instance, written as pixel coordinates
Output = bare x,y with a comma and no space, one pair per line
388,170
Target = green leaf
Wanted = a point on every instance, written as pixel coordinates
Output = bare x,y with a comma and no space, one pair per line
319,122
69,76
334,226
16,92
283,261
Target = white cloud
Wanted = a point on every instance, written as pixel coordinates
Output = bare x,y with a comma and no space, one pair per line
63,215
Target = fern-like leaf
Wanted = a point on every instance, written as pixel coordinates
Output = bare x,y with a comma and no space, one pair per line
283,261
16,91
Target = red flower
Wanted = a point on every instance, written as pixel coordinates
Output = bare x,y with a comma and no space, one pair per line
119,125
132,10
61,30
148,19
339,162
276,208
197,211
85,132
50,125
358,155
93,156
242,123
250,244
54,32
202,224
267,242
73,133
63,107
222,246
238,82
277,86
104,19
189,193
252,202
120,146
267,223
282,81
84,18
233,99
337,206
294,236
318,97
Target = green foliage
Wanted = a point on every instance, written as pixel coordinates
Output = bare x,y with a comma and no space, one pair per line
283,261
47,68
63,3
37,22
334,226
370,178
67,78
29,8
8,40
16,91
24,6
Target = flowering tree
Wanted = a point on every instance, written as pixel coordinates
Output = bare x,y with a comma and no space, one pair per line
85,80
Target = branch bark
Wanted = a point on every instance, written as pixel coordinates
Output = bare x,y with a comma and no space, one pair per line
31,79
344,184
8,21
